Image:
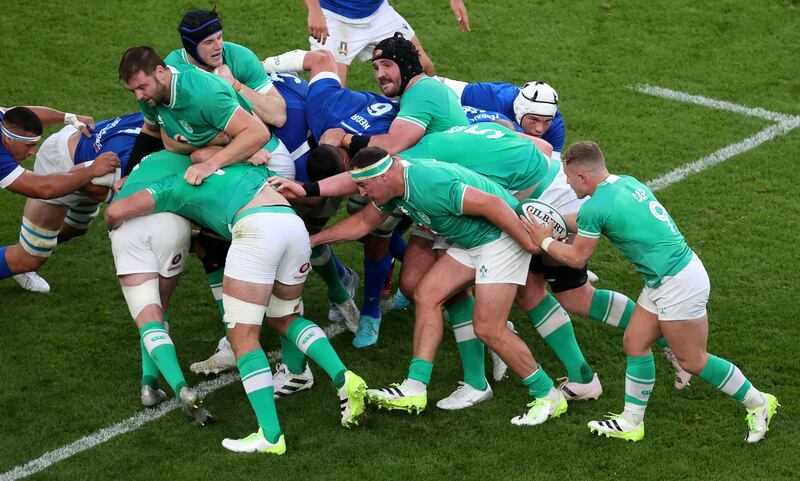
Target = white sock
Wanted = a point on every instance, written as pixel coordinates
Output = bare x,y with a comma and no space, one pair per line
633,413
553,395
285,62
753,399
416,387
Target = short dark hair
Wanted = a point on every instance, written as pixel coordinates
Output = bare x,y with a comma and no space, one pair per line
139,59
367,156
23,119
195,18
324,161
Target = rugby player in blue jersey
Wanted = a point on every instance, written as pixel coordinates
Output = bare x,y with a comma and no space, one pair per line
21,131
351,28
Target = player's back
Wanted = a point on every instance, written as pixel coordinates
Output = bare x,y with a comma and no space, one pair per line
360,113
116,135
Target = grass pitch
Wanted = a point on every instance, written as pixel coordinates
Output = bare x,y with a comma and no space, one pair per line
70,362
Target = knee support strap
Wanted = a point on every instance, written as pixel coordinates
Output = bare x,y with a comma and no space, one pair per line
36,240
238,311
140,296
281,307
81,215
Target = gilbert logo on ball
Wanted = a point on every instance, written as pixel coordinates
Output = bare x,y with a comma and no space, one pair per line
543,213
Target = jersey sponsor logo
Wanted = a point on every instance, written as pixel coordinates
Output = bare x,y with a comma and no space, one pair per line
186,126
98,139
177,258
305,267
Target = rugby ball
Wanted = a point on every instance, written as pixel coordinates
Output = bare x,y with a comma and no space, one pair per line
543,213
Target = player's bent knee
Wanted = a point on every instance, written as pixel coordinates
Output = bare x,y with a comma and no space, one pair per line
278,307
37,241
81,216
140,296
238,311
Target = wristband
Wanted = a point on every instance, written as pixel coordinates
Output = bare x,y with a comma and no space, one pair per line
357,142
311,188
546,243
72,119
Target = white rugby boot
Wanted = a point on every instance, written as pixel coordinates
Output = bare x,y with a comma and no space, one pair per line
758,419
222,360
287,383
255,443
540,410
575,391
31,281
464,396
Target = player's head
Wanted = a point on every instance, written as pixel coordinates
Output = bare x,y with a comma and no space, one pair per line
201,35
396,62
145,74
534,107
584,166
369,169
326,161
20,130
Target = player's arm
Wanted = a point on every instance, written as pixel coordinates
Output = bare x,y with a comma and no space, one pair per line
147,142
460,11
541,144
334,186
497,211
138,204
317,27
51,117
51,186
249,134
269,106
574,255
401,136
352,228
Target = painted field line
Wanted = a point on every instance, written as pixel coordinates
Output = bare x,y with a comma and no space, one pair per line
712,103
132,423
785,123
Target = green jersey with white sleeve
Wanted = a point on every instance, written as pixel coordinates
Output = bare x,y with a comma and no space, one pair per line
626,211
432,105
242,62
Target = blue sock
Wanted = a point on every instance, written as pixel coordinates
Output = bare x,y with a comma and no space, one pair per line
5,271
397,246
339,266
375,273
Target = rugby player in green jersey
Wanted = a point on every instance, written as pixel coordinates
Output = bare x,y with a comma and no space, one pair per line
476,215
673,301
265,269
203,46
150,253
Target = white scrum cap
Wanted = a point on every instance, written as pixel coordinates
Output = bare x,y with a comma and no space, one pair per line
537,98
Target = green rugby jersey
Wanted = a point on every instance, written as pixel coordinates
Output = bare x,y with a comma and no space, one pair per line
489,149
432,105
244,64
626,211
434,197
214,203
152,168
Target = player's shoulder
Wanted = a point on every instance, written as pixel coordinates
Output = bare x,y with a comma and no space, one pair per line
236,49
176,57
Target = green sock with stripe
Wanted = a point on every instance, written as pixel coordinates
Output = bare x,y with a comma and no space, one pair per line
159,346
640,377
215,283
323,263
312,341
614,309
420,370
729,379
292,356
539,384
553,324
149,368
257,382
470,348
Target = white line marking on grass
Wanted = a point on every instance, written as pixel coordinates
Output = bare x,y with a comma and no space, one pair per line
132,423
785,123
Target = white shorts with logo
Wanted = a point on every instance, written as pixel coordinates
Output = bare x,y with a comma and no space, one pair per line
269,247
152,243
501,261
560,195
350,38
53,158
681,297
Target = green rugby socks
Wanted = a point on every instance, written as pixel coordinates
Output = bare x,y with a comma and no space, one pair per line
159,346
257,383
726,377
553,324
470,348
312,341
640,377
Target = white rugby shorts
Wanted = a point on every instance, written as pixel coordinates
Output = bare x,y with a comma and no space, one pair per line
152,243
501,261
281,161
682,297
350,38
269,246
